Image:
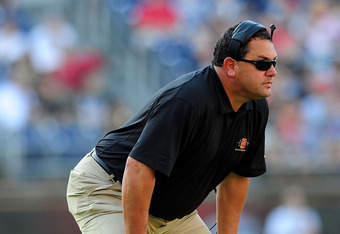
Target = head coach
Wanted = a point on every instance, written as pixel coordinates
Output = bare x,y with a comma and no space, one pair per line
202,131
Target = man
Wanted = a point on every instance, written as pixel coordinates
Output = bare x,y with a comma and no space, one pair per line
203,130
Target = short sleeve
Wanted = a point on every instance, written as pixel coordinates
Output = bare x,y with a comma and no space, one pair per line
162,137
253,163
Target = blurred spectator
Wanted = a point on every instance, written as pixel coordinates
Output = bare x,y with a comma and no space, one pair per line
123,7
92,107
289,124
14,23
192,14
76,67
202,44
17,98
294,215
12,43
50,41
225,12
153,20
176,54
14,106
120,114
11,10
16,101
325,33
314,115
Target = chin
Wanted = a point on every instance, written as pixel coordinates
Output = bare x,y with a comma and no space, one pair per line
261,96
267,94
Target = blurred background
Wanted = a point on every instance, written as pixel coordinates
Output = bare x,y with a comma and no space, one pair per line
71,70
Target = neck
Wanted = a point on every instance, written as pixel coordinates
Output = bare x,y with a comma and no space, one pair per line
236,101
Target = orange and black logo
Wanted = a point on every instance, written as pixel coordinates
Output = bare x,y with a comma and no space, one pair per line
242,145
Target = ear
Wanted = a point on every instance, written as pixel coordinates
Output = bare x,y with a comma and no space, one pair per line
229,66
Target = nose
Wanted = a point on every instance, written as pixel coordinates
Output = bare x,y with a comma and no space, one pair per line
271,71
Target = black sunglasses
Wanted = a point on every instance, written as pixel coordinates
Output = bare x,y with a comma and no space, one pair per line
262,64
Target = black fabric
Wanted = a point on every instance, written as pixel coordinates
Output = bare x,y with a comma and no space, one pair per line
191,136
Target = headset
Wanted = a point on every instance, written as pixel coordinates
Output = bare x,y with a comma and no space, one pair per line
242,34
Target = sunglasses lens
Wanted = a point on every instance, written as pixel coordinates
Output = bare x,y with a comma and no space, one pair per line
262,65
274,63
265,65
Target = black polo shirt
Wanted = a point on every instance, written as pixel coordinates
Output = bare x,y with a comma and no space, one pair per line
189,133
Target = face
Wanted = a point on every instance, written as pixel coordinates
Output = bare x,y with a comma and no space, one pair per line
252,83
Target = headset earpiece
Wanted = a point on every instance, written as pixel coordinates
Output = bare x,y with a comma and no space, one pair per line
242,34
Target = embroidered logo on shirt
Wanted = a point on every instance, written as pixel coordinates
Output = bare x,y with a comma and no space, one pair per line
242,145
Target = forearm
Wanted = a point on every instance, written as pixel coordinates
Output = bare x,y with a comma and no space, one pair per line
137,189
231,196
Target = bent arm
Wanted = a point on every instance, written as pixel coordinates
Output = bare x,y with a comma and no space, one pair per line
231,196
137,189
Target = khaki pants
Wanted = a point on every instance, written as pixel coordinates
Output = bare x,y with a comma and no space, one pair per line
95,201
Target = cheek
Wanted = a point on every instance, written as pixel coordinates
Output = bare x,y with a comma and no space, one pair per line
249,81
252,85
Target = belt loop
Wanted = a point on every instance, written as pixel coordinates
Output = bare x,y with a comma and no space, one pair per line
111,177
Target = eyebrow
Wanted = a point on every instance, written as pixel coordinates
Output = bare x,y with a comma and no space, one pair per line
264,57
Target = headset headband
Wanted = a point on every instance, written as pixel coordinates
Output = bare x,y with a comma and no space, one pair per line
242,34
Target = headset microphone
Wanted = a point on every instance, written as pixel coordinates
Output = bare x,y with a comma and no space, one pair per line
272,28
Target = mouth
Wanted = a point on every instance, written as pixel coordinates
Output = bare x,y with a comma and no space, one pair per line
267,84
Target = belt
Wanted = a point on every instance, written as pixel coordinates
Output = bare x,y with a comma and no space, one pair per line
101,162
